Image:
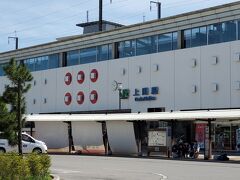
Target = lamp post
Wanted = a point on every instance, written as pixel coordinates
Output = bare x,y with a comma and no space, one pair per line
16,41
119,94
118,86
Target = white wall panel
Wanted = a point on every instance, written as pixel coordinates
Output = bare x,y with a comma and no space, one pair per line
115,73
84,87
235,74
87,134
164,79
49,88
100,85
215,73
54,134
121,137
35,93
62,89
139,80
187,79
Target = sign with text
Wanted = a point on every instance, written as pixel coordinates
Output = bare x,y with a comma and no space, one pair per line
157,138
146,94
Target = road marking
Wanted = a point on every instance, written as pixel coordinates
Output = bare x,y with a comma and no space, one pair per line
163,177
64,171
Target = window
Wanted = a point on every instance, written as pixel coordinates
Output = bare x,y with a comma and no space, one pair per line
72,58
88,55
41,63
53,61
27,138
238,30
229,31
165,42
202,36
1,70
199,36
215,33
174,40
102,53
30,64
146,45
110,49
187,38
126,48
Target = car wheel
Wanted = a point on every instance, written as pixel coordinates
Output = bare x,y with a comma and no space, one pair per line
37,151
2,151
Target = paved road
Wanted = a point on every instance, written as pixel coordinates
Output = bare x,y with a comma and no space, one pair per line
73,167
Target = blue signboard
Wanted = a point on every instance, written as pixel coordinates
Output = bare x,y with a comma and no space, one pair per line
146,94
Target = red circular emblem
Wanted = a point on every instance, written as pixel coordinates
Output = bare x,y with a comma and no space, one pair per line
94,75
68,99
93,97
68,78
80,77
80,97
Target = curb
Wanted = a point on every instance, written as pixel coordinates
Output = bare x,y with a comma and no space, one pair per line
55,177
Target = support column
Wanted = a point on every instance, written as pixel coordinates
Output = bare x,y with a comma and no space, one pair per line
208,141
115,50
180,40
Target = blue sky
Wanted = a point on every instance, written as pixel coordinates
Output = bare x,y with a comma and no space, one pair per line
37,22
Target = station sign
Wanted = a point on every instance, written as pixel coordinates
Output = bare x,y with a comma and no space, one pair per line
125,94
146,93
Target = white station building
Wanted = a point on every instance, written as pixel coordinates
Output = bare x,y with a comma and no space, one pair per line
131,77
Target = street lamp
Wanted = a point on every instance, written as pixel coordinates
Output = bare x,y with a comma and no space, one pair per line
118,86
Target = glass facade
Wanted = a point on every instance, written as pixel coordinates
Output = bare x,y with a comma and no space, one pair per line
1,69
42,63
127,48
211,34
174,40
104,52
199,36
54,61
30,63
72,58
187,38
88,55
146,45
167,42
194,37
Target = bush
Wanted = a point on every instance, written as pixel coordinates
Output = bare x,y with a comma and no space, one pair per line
29,167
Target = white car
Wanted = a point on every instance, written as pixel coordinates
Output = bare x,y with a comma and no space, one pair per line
29,145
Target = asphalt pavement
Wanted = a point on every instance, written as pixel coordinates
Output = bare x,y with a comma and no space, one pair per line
80,167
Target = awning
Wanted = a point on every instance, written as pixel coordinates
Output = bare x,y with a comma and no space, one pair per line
230,114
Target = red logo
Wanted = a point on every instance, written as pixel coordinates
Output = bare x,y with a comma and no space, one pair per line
93,97
94,75
80,77
67,99
68,78
80,97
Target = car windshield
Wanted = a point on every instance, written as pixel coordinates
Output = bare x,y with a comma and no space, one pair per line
27,138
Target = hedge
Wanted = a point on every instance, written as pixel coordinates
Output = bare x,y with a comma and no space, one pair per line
28,167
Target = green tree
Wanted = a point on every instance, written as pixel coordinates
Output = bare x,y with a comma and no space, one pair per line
7,124
19,77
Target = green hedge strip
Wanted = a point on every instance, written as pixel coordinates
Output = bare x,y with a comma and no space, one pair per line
27,167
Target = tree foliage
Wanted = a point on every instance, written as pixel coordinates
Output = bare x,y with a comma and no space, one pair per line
19,77
8,126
